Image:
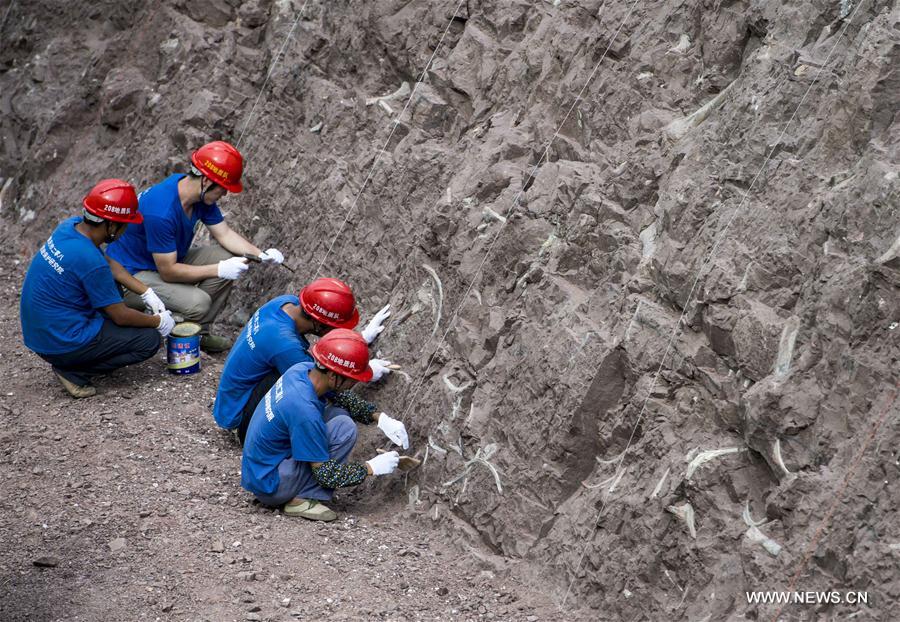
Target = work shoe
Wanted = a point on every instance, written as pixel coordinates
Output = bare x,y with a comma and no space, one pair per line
76,390
309,508
215,343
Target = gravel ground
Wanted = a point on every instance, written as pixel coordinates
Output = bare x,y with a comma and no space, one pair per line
128,506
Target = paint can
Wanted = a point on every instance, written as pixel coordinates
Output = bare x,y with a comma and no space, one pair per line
183,349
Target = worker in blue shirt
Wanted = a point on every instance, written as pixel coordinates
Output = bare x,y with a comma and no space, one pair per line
71,309
297,447
274,340
193,282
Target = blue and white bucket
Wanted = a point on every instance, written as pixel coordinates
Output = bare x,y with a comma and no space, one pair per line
183,349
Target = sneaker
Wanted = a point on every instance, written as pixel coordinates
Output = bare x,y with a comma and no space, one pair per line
76,390
309,508
212,344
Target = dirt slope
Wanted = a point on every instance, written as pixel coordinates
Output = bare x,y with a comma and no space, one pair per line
720,207
134,500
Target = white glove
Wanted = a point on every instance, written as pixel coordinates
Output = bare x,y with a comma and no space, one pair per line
379,368
374,327
166,323
232,268
273,255
394,430
153,302
384,464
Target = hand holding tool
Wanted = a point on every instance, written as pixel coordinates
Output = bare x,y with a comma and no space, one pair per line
273,255
384,464
380,367
153,302
407,463
261,259
166,323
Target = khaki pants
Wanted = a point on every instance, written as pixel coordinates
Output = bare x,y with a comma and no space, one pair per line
196,302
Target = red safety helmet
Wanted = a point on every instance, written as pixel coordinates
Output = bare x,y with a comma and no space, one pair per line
115,200
330,302
222,163
344,352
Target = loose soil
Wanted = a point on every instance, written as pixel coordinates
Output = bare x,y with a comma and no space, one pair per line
128,506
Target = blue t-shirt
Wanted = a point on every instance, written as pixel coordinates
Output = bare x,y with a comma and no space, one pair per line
269,342
166,228
287,423
67,282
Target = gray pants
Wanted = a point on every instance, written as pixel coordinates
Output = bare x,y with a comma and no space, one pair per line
296,479
113,347
196,302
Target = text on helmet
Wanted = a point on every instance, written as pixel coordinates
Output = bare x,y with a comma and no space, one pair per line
215,169
115,209
341,362
330,314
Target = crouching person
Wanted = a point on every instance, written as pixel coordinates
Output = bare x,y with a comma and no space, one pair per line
275,339
193,282
296,449
71,309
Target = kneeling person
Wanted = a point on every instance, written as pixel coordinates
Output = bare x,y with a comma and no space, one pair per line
296,448
71,309
275,339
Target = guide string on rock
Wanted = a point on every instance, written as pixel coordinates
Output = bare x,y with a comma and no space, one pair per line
690,297
515,203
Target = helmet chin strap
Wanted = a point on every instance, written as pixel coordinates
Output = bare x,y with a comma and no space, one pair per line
202,189
212,185
110,237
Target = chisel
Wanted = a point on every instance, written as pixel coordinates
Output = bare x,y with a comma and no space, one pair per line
256,259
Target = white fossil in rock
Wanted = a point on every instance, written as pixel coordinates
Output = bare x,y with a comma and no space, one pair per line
846,5
683,45
612,460
776,453
491,214
685,512
676,130
5,192
482,456
659,484
438,304
755,535
891,253
705,456
648,242
454,388
401,92
786,346
435,446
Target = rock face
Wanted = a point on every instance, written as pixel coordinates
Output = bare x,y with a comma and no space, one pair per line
699,255
122,96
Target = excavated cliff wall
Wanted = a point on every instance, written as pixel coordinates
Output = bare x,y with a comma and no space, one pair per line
700,256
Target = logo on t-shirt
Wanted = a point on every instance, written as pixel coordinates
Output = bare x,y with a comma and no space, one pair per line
270,414
48,249
254,328
278,389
